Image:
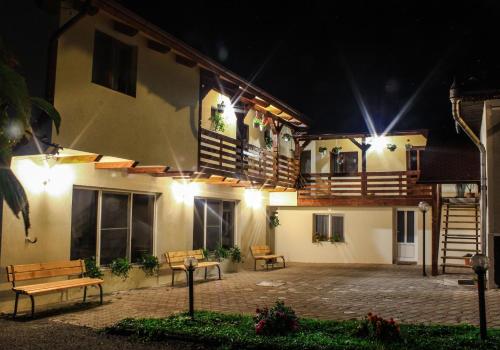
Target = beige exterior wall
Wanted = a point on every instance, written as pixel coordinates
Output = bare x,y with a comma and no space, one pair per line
154,128
378,157
369,236
51,219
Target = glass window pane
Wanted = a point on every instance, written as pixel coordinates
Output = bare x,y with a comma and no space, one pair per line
338,228
143,208
400,225
213,237
321,227
228,224
114,226
199,224
83,224
410,226
213,229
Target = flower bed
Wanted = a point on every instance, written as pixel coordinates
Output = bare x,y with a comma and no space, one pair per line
238,332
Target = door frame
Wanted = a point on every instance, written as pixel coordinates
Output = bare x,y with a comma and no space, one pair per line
395,255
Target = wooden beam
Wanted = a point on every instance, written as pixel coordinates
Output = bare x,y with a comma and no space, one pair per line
183,174
361,202
151,169
83,158
156,46
436,226
116,165
185,61
124,28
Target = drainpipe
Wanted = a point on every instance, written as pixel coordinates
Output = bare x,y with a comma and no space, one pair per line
53,42
457,115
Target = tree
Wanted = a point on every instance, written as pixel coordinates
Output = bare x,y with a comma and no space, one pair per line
15,125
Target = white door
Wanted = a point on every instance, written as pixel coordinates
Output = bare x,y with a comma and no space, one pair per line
406,235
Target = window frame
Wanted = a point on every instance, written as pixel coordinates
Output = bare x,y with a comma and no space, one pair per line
350,154
130,194
330,227
116,45
221,210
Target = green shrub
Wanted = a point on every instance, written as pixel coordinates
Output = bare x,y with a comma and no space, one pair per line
376,327
149,264
91,268
221,253
279,320
235,254
120,267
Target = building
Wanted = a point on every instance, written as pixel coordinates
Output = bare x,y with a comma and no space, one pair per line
163,149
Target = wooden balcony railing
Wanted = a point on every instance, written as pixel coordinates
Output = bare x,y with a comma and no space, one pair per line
225,156
393,184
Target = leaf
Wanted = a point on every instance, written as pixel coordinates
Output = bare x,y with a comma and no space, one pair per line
49,109
14,93
14,195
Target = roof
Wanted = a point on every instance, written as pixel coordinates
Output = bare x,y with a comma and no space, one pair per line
286,112
445,164
308,136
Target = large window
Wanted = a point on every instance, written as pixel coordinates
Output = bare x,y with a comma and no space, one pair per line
110,225
213,224
114,64
328,227
344,163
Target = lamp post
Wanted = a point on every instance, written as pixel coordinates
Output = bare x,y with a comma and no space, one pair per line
424,208
190,264
480,266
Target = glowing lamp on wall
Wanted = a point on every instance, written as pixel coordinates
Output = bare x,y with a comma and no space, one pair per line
253,198
184,192
46,177
378,143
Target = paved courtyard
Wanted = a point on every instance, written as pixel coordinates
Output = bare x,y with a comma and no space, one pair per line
320,291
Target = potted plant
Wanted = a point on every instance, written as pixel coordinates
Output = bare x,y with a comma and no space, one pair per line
274,221
335,238
391,147
408,145
221,253
217,118
268,140
121,267
258,122
323,151
469,193
317,238
467,259
235,259
336,150
150,264
91,268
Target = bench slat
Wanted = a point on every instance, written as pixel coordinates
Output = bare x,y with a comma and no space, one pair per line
260,250
58,285
179,256
28,275
46,266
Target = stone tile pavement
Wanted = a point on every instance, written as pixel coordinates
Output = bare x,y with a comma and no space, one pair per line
320,291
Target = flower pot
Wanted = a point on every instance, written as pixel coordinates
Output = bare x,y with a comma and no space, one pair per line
467,261
470,195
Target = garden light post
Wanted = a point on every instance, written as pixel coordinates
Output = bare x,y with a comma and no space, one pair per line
424,208
480,266
190,264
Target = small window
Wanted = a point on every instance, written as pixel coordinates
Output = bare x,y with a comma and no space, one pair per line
337,228
321,229
328,227
114,64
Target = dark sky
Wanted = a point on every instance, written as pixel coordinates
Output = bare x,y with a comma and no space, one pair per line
302,52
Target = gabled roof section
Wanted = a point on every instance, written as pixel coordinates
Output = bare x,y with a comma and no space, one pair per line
282,110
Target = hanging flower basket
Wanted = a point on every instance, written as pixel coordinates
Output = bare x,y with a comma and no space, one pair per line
323,151
336,150
391,147
217,118
268,140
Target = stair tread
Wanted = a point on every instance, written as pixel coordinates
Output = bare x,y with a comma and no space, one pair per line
461,228
459,242
462,215
458,250
462,222
453,257
456,265
460,235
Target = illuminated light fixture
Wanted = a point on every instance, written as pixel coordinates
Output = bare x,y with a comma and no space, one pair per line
287,137
184,192
49,178
378,143
253,198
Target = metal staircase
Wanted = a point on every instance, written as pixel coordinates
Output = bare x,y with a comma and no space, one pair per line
460,231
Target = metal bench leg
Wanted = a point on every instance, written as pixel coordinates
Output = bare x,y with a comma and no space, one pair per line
100,293
205,273
84,293
283,258
173,273
15,305
255,265
187,278
32,306
218,268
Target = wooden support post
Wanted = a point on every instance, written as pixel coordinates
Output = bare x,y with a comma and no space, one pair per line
436,226
363,146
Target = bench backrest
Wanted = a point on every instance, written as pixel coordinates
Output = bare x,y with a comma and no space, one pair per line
25,272
260,250
177,257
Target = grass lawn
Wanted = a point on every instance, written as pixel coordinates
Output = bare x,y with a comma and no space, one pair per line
237,332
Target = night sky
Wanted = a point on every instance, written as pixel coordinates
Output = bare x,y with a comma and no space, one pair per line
304,53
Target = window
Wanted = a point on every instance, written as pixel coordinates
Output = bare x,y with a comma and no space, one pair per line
344,163
213,224
114,64
111,225
328,227
405,226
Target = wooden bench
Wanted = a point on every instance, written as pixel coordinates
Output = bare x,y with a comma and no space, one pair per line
176,262
18,273
263,252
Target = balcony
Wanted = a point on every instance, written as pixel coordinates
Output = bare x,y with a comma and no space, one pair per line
227,157
369,188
